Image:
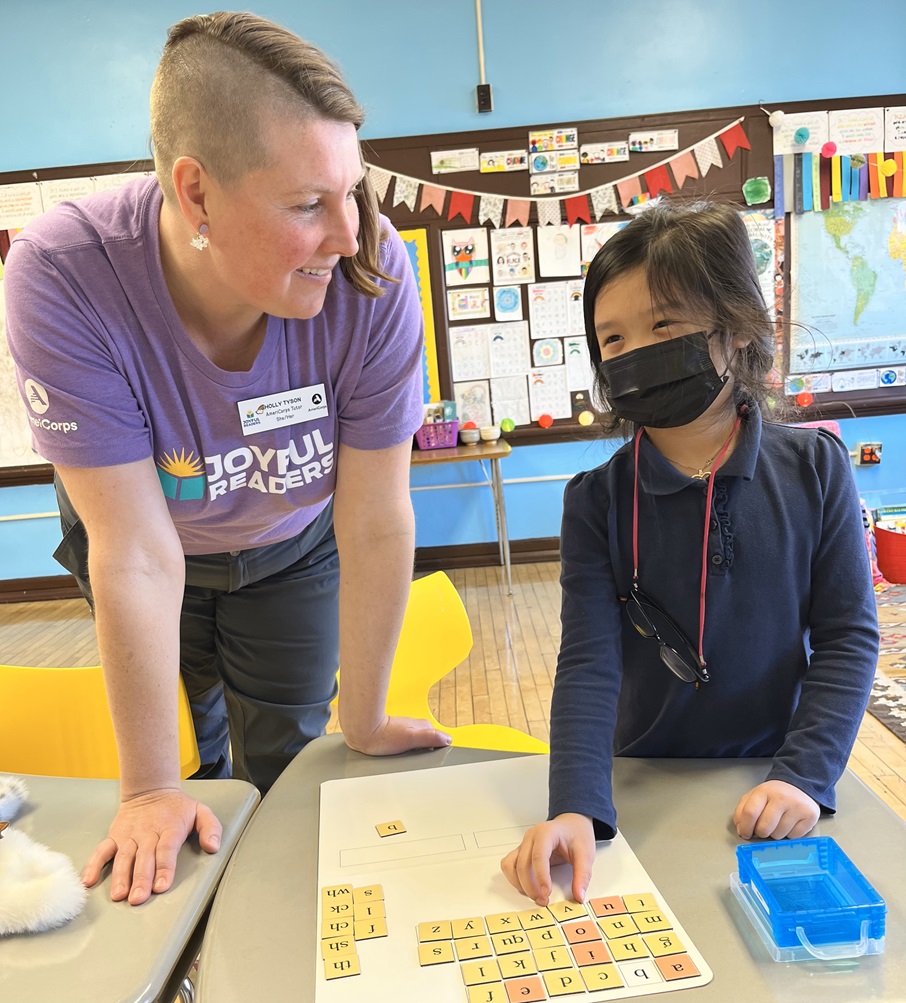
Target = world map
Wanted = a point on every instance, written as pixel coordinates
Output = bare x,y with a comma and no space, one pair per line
848,287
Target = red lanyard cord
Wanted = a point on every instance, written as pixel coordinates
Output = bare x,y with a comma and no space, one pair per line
708,499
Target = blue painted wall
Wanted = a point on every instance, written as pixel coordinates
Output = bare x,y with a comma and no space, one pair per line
89,65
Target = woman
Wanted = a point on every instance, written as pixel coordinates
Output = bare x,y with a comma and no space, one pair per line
234,349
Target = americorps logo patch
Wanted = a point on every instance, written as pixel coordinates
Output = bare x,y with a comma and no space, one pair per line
36,396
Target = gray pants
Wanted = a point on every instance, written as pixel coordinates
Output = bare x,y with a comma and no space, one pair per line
259,645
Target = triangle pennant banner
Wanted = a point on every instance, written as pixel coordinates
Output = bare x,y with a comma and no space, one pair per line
490,208
683,167
434,197
628,190
461,204
406,190
707,155
658,180
549,212
380,179
734,138
576,209
517,211
604,200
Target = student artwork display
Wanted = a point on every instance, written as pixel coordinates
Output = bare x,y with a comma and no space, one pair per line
469,353
513,256
508,348
558,251
503,160
549,393
654,141
466,256
603,153
547,352
451,161
554,160
548,309
473,402
507,303
578,363
509,399
468,304
562,138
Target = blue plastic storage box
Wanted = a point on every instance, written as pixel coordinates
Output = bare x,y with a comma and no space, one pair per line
807,900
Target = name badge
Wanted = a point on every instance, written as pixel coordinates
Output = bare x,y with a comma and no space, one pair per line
291,407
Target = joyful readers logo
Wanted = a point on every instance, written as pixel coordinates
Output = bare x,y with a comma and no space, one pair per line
182,477
36,396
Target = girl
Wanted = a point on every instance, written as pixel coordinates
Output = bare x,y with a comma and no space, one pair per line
716,593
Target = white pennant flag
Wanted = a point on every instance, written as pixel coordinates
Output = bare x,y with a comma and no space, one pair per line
604,200
490,208
549,212
406,190
380,179
707,155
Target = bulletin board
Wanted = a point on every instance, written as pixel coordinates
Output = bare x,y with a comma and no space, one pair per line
500,224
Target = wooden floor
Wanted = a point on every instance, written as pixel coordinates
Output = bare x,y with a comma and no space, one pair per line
506,679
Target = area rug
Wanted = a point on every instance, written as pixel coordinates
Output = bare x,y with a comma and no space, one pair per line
887,702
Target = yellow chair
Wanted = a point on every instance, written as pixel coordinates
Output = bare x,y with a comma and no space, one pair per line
435,638
56,722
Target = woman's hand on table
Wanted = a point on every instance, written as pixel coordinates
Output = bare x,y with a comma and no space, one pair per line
399,734
144,841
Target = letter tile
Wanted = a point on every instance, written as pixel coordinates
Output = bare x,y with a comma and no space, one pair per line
652,920
368,893
664,943
510,943
475,973
471,927
440,929
340,968
531,919
473,947
546,936
514,965
551,958
591,954
679,966
390,828
564,911
491,993
601,977
627,948
528,990
503,922
578,933
617,926
611,905
563,983
435,954
335,946
640,973
640,903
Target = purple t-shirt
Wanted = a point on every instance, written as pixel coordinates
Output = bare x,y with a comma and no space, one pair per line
110,376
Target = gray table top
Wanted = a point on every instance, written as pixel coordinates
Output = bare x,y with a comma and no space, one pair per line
114,952
261,937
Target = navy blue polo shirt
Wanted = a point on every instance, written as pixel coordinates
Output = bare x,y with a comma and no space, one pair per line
791,634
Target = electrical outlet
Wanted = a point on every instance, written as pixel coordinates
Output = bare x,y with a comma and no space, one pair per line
483,95
868,454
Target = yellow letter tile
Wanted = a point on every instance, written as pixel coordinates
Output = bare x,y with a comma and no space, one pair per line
550,958
601,977
336,946
503,922
640,903
435,954
563,983
650,921
470,927
546,936
627,949
567,910
531,919
390,828
368,893
473,947
337,892
368,910
663,943
490,993
617,926
512,965
510,943
438,930
335,927
339,968
475,973
368,929
334,909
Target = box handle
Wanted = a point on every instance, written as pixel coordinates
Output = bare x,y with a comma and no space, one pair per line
831,952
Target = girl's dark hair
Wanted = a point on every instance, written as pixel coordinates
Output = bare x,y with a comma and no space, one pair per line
219,76
697,254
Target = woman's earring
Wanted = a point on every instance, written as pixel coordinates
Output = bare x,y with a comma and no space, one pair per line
200,241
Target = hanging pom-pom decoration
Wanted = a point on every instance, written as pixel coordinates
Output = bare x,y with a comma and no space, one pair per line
888,168
775,119
828,150
801,135
857,161
805,399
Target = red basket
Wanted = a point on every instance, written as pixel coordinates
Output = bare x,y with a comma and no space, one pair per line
891,549
437,435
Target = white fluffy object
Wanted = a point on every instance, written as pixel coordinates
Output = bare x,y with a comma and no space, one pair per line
39,888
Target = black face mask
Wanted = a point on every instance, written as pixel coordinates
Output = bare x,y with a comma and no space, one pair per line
664,385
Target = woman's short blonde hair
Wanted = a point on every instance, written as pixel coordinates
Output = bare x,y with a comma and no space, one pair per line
220,75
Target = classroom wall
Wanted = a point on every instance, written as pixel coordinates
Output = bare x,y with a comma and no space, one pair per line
85,69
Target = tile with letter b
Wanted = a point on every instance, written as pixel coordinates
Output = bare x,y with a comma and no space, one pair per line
578,933
652,920
531,919
390,828
601,977
545,936
513,965
475,973
564,911
471,927
493,992
510,943
678,966
617,926
368,929
527,990
437,930
503,922
640,903
563,983
663,943
627,948
340,968
591,954
435,954
473,947
643,972
550,958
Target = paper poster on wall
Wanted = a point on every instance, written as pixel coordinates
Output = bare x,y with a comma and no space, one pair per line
604,153
548,310
562,138
547,352
65,190
543,184
466,256
509,399
507,303
513,255
654,141
473,402
816,383
548,393
554,160
856,130
578,363
762,237
503,160
468,304
109,182
575,311
469,353
594,236
452,161
19,205
894,129
508,347
854,379
801,132
566,181
558,251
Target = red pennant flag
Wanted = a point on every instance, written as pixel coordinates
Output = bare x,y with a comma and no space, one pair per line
734,138
517,211
434,197
461,204
576,209
658,180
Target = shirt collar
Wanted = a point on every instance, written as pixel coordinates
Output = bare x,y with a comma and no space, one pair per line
660,477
